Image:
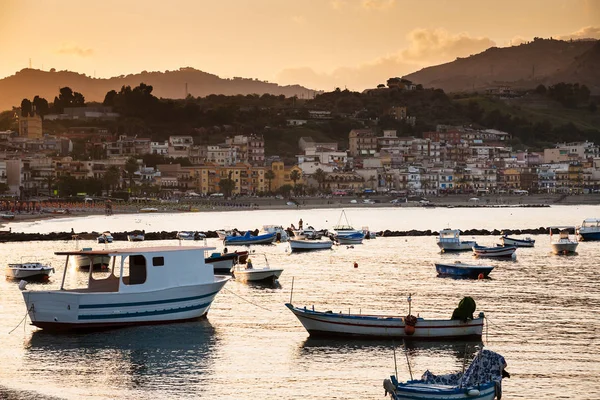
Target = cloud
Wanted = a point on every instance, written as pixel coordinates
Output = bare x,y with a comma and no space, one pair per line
72,49
426,47
359,77
517,40
378,4
588,32
438,45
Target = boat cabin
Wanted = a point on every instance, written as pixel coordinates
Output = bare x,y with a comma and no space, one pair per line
449,235
591,223
134,270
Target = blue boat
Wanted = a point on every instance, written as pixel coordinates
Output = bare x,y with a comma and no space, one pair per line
589,229
248,239
460,270
481,381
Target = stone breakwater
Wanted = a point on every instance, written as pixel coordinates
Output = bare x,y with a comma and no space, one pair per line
164,235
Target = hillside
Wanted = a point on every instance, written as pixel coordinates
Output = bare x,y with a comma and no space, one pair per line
170,84
523,67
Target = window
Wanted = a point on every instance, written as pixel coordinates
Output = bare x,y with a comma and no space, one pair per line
134,270
158,261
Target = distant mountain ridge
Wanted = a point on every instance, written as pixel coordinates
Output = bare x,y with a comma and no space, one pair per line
542,61
170,84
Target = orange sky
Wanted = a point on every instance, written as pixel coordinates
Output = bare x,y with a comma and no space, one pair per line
318,43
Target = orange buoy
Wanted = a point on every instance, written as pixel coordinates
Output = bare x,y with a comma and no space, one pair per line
355,264
480,276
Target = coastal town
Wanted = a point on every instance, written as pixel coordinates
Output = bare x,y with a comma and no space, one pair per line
450,160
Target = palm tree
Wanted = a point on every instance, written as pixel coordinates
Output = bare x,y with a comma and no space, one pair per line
269,176
295,176
112,177
320,177
131,166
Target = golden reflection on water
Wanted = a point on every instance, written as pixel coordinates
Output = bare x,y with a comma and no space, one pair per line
543,311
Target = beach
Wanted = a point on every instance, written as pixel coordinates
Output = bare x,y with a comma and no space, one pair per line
272,203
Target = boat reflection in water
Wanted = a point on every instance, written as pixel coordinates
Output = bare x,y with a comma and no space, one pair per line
155,358
414,348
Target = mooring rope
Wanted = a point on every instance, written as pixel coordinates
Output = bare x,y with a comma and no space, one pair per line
247,301
23,319
502,330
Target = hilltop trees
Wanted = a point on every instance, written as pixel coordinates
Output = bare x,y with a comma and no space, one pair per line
39,106
67,98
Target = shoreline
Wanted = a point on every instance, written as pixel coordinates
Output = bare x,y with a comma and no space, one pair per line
307,203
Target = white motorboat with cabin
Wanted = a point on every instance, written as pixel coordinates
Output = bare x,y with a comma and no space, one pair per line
563,244
249,273
28,270
148,285
589,229
308,233
105,237
449,240
136,236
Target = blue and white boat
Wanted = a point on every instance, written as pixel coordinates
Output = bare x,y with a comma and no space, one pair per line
511,241
248,239
146,285
344,233
481,381
589,229
105,237
449,240
461,270
350,238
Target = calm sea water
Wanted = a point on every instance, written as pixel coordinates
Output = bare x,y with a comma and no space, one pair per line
543,311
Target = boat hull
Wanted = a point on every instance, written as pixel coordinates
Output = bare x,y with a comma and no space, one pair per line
506,241
471,271
257,275
222,264
496,252
98,263
74,310
135,238
564,248
589,236
456,246
373,326
245,241
29,274
309,245
414,390
349,240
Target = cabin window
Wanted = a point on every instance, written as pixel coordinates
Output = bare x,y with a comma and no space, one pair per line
134,270
158,261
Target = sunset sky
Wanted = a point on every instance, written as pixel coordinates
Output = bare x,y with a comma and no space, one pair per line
317,43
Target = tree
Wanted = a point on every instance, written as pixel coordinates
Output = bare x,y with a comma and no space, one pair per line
41,106
269,176
131,166
226,186
112,177
109,99
295,176
26,109
320,177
